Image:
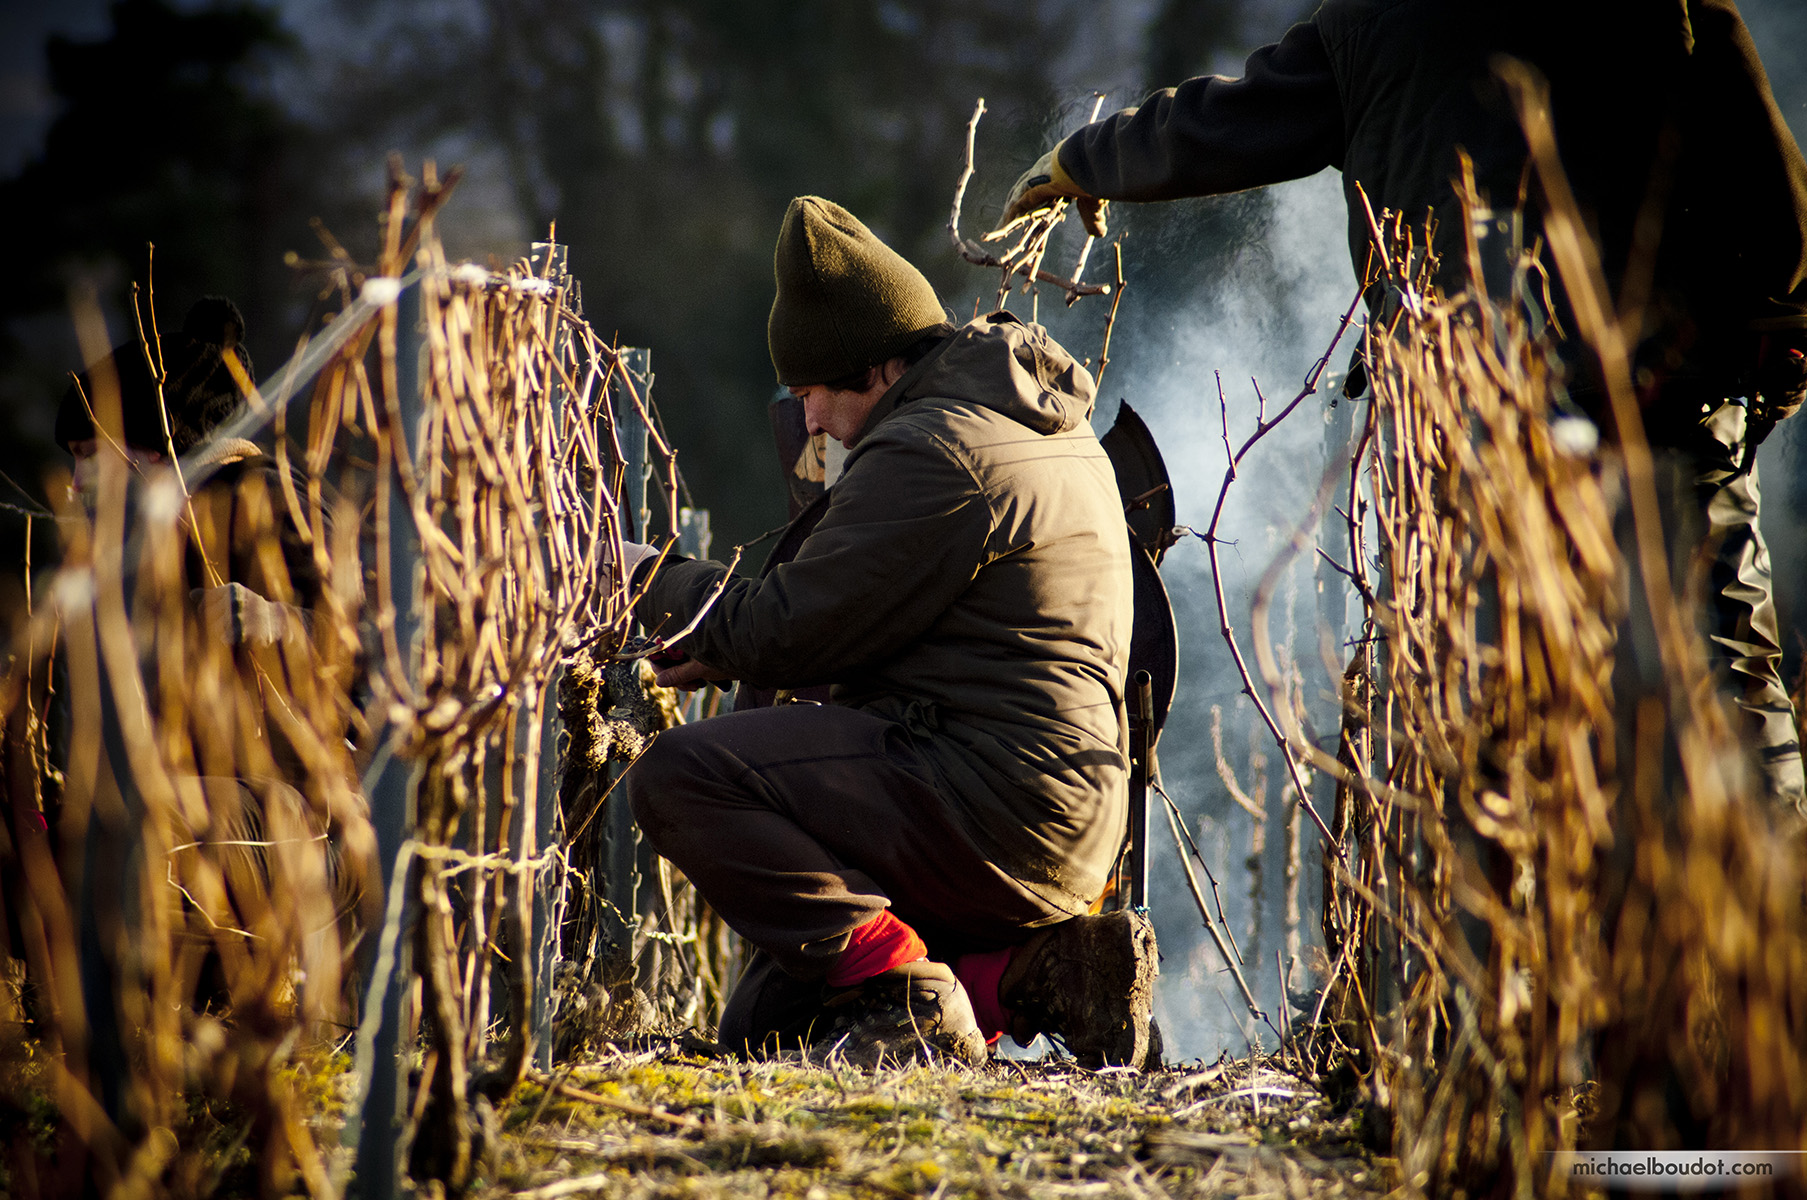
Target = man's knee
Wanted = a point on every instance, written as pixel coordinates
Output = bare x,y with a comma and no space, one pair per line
660,785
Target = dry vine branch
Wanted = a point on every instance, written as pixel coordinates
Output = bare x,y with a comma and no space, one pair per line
1211,927
1263,426
1539,876
1025,257
1199,858
235,769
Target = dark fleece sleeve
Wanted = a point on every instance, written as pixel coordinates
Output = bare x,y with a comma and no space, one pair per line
1745,176
1282,120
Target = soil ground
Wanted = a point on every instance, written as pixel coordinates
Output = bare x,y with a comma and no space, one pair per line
669,1122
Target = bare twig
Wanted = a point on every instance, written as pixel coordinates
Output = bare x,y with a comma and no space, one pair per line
1110,319
1025,258
1263,427
1211,928
1173,811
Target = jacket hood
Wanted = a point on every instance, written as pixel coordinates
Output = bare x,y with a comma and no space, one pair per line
1004,364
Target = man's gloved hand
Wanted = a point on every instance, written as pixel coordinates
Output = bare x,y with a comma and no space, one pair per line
238,616
1781,379
674,668
632,555
1043,184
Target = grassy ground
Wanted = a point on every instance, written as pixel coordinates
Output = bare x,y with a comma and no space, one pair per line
670,1123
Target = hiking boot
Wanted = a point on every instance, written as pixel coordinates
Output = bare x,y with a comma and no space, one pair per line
1090,982
769,1013
916,1011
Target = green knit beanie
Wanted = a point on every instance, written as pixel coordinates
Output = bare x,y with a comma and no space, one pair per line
846,301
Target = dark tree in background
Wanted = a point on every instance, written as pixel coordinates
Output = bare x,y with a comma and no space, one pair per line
666,138
663,138
162,138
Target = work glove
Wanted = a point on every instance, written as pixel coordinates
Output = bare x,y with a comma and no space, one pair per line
1781,380
1043,184
238,616
1777,384
632,555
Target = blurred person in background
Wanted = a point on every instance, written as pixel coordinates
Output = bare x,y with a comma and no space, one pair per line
251,575
1691,183
243,598
914,860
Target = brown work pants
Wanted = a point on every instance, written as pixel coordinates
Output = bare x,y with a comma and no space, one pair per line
800,823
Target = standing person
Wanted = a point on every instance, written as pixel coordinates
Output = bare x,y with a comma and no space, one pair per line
914,860
1691,182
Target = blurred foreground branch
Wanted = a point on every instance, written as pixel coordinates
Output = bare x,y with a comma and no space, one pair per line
1559,912
189,849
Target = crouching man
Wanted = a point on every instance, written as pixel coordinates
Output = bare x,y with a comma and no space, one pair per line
913,861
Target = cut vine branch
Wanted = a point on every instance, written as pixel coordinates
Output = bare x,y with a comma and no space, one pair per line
1024,258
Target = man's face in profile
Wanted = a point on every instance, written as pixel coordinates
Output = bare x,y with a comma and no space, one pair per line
85,481
841,413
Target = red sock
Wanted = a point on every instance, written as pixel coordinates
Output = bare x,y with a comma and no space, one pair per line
874,948
980,974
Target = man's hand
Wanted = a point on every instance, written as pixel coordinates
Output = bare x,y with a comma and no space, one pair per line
632,555
689,675
1777,386
1781,378
238,616
1043,184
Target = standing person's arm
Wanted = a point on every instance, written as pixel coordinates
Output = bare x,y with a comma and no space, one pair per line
1282,120
1744,170
1744,192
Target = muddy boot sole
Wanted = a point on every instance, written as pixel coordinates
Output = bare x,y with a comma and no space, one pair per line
1090,982
917,1013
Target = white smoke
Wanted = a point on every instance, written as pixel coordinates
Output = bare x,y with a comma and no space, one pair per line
1268,319
1262,309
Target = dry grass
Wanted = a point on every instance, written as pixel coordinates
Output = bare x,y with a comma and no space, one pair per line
670,1123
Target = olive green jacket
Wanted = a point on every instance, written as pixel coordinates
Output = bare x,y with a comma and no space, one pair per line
969,580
